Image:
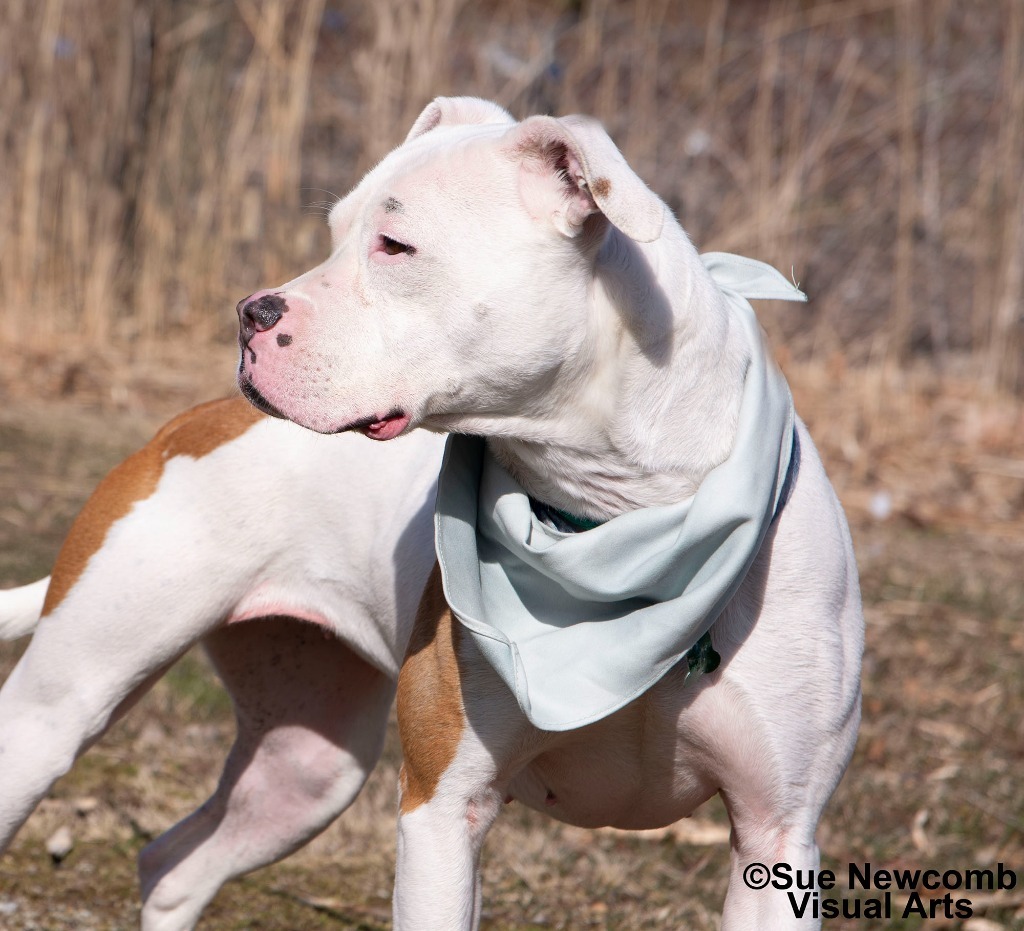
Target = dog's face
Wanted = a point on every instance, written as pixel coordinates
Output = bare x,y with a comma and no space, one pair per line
458,269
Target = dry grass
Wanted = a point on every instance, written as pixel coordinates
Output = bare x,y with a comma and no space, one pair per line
935,780
159,156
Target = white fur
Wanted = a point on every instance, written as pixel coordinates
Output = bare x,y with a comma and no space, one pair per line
603,368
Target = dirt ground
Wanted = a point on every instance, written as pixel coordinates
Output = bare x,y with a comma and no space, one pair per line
932,475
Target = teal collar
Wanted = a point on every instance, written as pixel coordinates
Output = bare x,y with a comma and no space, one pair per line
578,524
562,520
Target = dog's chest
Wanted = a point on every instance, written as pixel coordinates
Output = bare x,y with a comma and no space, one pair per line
643,767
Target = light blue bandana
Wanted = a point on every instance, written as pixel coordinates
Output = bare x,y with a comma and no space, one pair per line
580,624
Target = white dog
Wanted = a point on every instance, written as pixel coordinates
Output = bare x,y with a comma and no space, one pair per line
487,278
228,516
518,282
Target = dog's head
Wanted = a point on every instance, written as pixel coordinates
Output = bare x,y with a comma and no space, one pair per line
459,271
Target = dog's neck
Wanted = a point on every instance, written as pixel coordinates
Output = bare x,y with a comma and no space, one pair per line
649,404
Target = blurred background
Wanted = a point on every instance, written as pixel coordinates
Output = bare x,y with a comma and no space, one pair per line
163,159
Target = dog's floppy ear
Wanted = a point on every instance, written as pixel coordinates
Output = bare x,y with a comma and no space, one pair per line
591,173
455,111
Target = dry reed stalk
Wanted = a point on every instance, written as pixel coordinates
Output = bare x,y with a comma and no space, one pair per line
838,11
591,29
784,169
269,120
908,18
714,34
288,91
985,249
607,99
761,139
1005,365
931,185
507,76
164,185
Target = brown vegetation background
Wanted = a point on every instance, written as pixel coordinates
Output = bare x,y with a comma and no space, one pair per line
158,156
163,159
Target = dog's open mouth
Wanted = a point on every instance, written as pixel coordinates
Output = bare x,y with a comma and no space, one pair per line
382,428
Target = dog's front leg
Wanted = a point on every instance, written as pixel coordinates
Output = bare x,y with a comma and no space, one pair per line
775,812
437,884
757,897
455,769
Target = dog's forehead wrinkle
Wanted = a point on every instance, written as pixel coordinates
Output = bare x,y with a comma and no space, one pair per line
404,160
456,164
450,134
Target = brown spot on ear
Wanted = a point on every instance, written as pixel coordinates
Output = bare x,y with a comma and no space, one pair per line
430,712
283,339
601,187
195,433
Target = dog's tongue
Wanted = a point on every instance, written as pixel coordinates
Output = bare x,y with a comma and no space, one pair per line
388,428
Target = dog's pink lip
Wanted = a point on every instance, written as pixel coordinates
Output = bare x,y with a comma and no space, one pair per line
387,428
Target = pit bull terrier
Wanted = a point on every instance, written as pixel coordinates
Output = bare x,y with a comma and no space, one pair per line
518,282
298,561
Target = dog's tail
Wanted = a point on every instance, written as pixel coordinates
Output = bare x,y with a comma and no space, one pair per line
20,609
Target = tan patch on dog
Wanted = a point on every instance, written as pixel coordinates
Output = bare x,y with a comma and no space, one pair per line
196,433
601,187
430,712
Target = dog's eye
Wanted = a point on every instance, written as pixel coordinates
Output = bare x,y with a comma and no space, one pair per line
394,247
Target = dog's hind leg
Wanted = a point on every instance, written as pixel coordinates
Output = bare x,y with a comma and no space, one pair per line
130,592
311,718
88,662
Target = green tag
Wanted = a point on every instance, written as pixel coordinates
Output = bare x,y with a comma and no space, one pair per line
701,658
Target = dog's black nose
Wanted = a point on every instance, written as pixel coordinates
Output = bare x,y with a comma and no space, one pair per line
258,314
